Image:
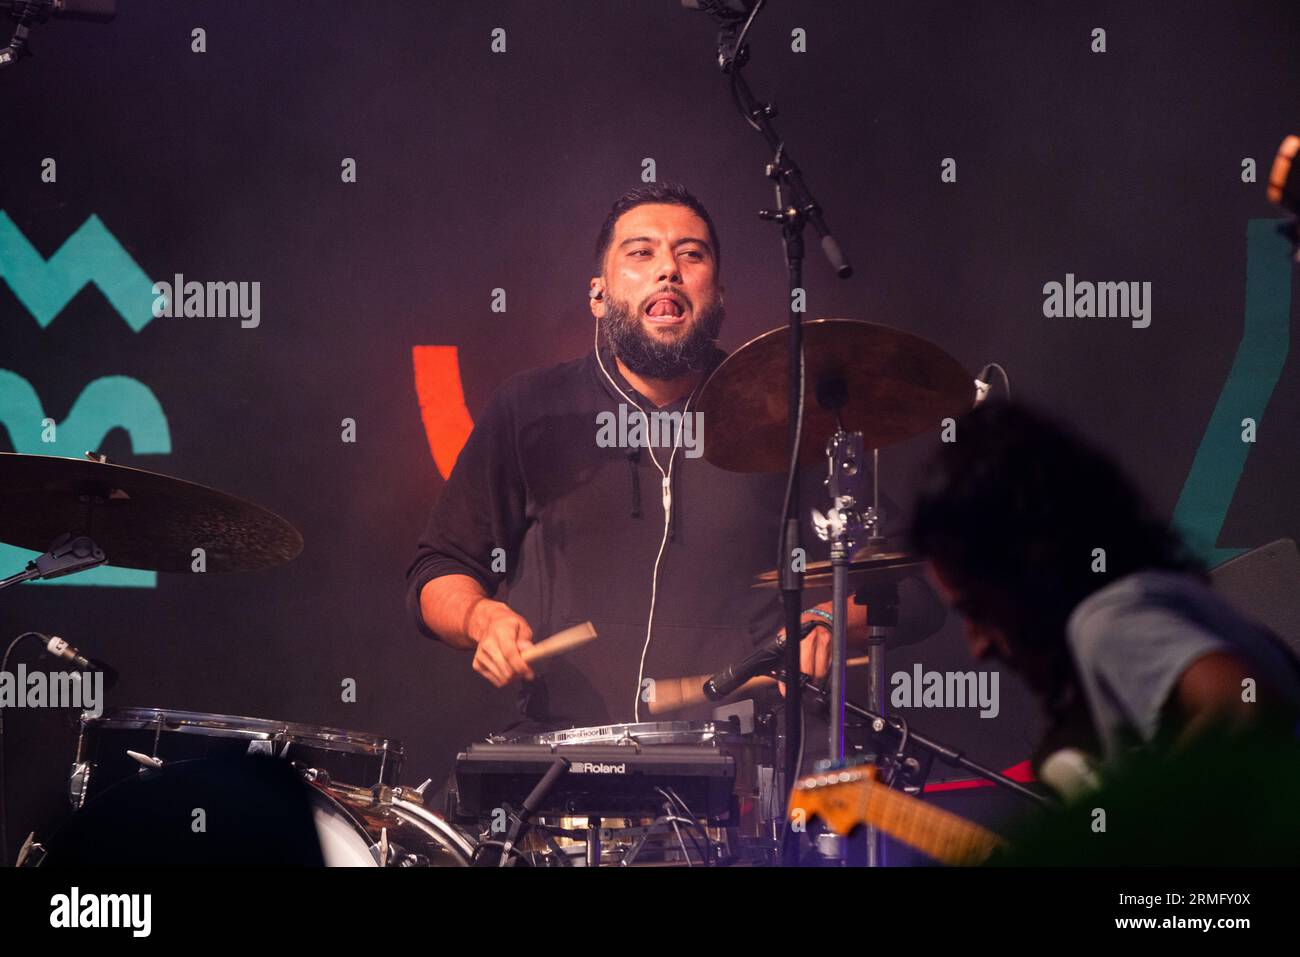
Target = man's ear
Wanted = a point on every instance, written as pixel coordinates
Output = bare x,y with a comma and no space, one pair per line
596,297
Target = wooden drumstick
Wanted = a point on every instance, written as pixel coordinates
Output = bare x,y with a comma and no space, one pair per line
560,642
673,694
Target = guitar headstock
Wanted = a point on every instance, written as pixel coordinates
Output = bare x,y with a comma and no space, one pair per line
845,798
838,797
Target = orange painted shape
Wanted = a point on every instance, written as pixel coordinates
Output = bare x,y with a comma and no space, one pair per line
447,422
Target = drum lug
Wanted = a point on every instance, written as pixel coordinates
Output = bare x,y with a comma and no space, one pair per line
414,795
379,850
144,760
78,782
31,854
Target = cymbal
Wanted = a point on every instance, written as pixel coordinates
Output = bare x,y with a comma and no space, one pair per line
140,519
885,566
892,386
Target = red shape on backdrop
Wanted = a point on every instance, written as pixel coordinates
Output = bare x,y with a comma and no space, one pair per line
1022,773
447,422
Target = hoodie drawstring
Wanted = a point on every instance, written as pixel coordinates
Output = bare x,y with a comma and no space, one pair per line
672,514
633,461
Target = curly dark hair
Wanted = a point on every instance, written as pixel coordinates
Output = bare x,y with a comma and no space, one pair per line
1014,509
673,194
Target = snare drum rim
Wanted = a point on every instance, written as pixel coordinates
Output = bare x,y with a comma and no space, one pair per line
240,726
342,796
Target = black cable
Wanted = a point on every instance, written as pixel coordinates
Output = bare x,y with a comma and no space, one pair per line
4,781
691,821
737,64
473,859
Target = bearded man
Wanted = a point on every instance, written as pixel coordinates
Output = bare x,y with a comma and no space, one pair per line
641,535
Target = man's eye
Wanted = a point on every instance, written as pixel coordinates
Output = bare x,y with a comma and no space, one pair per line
695,253
638,252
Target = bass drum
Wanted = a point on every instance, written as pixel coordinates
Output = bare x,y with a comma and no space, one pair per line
250,812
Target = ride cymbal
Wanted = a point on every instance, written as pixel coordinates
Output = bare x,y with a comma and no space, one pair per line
888,384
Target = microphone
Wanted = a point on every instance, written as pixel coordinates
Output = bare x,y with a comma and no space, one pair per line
536,796
1070,773
59,648
759,660
984,383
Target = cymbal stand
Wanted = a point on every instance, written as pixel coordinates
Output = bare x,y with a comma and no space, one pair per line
65,556
843,526
68,553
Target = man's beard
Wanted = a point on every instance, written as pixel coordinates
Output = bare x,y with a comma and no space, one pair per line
654,358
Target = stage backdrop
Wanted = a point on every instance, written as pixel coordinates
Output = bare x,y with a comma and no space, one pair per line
415,188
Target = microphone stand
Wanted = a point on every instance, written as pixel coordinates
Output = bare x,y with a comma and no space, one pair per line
27,12
795,208
24,13
946,753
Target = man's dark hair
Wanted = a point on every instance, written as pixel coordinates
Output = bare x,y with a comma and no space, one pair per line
673,194
1015,507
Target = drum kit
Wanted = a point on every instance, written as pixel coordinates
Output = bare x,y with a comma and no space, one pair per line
660,793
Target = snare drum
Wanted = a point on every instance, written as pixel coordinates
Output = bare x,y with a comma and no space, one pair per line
359,828
160,735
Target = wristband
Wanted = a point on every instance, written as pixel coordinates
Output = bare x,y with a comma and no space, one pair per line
829,618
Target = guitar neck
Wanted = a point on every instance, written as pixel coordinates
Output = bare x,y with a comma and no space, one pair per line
938,833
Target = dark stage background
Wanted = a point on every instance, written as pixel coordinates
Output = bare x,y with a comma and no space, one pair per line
479,170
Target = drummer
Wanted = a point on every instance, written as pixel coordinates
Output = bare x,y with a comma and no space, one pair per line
644,537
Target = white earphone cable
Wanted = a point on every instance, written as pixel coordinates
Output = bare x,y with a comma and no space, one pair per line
668,508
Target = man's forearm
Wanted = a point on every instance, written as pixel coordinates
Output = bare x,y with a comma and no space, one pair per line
447,605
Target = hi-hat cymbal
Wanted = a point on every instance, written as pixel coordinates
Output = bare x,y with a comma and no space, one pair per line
140,519
887,565
891,386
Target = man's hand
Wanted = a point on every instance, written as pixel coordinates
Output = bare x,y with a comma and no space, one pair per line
501,636
815,650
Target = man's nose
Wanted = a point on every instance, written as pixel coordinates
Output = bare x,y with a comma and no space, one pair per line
668,270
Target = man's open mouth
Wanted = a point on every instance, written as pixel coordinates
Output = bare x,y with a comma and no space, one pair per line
666,310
